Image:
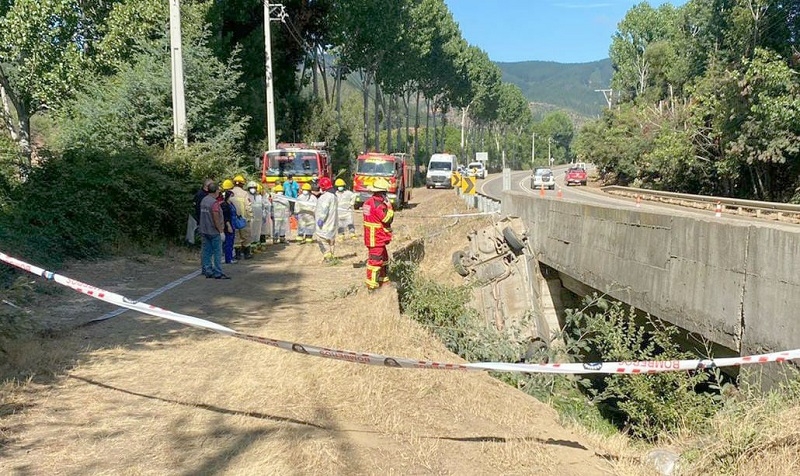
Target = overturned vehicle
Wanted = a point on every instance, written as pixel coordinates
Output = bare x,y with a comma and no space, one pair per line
499,264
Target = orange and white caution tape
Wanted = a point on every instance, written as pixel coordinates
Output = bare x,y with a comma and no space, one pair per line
647,366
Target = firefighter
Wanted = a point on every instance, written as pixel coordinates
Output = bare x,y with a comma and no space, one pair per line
244,206
326,215
378,216
258,212
306,203
347,200
280,215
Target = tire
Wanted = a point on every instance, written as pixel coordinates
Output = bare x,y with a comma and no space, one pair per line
583,183
514,242
459,265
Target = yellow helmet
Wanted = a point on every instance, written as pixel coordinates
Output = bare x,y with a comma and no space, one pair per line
259,188
380,185
227,184
339,182
306,186
239,179
278,188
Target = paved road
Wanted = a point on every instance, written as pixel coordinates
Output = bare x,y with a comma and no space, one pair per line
520,182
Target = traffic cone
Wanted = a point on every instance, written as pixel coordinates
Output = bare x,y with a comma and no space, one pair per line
560,193
541,191
638,201
718,211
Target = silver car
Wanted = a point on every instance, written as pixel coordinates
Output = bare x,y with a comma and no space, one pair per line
543,176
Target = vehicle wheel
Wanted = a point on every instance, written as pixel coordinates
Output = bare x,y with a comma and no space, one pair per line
513,240
583,183
553,187
458,264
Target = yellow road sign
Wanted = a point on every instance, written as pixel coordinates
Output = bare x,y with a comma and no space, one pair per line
468,185
455,180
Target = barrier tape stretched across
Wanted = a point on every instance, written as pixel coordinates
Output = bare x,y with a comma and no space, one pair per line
648,366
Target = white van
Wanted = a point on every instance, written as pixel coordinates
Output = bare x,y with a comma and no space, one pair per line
440,170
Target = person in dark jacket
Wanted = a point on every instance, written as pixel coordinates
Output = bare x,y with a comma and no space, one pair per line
228,212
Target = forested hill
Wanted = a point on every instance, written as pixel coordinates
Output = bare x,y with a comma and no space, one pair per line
566,85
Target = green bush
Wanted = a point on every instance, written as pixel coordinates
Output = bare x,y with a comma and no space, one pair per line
444,310
647,405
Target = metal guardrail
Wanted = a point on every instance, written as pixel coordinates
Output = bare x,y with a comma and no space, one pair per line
772,210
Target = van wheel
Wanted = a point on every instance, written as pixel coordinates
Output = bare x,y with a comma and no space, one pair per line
514,242
458,264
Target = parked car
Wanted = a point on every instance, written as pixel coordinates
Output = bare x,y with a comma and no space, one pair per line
575,175
477,169
543,176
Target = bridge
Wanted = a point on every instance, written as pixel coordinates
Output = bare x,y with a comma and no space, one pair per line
732,279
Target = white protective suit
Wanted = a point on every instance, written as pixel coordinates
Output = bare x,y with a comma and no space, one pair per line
347,200
306,203
280,216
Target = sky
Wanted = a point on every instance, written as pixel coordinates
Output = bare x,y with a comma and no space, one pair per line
565,31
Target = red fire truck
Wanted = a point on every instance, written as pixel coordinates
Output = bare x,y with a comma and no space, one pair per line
395,168
306,163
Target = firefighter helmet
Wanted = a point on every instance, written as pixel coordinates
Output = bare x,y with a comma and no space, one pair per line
227,184
252,184
379,185
238,180
277,188
306,186
339,182
325,183
259,189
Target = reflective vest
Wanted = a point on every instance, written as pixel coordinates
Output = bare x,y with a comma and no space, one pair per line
378,216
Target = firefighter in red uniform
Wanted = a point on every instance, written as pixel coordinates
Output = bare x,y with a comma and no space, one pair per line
378,216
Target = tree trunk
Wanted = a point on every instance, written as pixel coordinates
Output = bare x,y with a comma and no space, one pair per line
416,134
323,70
377,118
21,132
314,68
406,101
388,108
365,90
435,148
427,125
339,96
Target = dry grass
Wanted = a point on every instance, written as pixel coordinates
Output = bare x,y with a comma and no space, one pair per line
138,395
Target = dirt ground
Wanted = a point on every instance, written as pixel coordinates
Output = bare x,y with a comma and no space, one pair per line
140,395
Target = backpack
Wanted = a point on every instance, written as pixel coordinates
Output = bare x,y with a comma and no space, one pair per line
237,220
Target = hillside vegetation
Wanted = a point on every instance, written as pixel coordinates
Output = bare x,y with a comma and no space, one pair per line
570,86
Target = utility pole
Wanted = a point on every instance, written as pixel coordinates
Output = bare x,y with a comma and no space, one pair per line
608,94
533,151
280,16
463,126
549,157
178,96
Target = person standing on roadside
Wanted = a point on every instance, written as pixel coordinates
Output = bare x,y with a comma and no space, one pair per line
228,212
244,206
280,215
346,200
306,203
291,190
378,216
211,227
327,218
258,212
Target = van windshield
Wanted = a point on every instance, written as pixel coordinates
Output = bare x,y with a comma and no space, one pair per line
448,166
475,165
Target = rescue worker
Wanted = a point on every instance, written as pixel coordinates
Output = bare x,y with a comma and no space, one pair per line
378,216
280,215
327,218
346,200
306,203
244,206
266,221
258,214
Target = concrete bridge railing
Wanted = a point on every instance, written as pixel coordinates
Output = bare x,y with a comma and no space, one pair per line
735,283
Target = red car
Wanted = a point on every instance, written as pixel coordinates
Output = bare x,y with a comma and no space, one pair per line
575,175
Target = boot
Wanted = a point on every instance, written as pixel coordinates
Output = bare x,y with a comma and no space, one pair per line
238,254
247,253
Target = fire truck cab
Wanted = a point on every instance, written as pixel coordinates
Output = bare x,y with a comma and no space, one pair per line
393,167
306,163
